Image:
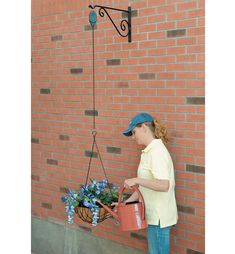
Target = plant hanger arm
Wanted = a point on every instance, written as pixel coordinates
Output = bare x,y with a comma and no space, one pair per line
125,25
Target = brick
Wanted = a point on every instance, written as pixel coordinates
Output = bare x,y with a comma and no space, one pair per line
148,28
113,62
64,190
115,150
166,59
166,75
76,70
138,53
122,84
46,205
45,91
35,140
64,137
166,25
196,13
176,33
35,177
89,27
138,236
186,6
134,13
190,251
148,11
52,162
90,112
195,169
90,154
177,15
196,31
166,9
186,23
58,37
186,209
147,76
196,100
166,43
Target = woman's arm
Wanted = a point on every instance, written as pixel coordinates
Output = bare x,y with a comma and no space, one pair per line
153,184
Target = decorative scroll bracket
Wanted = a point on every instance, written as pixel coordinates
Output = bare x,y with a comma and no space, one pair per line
125,25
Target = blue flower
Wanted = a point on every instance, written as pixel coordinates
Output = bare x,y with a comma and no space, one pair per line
63,199
87,204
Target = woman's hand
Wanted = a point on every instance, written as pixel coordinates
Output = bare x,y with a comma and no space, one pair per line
114,204
130,182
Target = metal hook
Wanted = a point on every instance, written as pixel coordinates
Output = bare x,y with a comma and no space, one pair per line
94,132
124,24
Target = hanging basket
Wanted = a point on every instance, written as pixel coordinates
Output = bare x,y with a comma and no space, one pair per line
85,214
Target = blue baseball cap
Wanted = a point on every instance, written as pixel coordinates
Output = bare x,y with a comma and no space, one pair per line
140,118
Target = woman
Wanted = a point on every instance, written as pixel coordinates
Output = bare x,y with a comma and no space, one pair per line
155,178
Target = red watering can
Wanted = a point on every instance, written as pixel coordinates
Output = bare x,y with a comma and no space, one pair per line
131,216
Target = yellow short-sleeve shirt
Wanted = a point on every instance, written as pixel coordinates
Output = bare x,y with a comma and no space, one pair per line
156,162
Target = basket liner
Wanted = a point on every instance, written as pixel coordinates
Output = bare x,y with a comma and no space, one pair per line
85,214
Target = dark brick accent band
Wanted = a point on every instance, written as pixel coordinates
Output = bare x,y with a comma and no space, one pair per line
112,149
64,137
85,228
147,76
35,177
58,37
35,140
89,28
52,162
113,62
190,251
47,205
122,84
138,236
186,209
89,154
195,169
76,70
134,13
176,33
196,100
90,112
64,190
45,91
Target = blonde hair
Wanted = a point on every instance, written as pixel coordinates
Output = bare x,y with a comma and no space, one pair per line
158,129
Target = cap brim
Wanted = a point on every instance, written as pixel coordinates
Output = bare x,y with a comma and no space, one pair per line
127,132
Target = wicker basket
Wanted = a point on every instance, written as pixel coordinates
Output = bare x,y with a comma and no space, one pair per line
85,214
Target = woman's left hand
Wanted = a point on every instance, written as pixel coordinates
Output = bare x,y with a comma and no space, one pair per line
130,182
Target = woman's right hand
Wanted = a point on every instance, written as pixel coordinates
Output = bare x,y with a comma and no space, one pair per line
114,204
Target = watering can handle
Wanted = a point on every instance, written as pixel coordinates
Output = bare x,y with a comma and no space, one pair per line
135,188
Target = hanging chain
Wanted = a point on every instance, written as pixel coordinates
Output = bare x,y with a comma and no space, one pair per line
91,155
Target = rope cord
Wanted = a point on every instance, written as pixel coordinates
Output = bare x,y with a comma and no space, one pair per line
94,132
93,73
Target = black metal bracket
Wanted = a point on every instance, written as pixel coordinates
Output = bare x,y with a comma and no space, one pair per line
125,25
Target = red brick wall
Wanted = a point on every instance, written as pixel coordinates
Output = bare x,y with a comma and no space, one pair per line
161,71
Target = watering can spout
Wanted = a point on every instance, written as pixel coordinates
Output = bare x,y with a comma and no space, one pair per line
113,213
